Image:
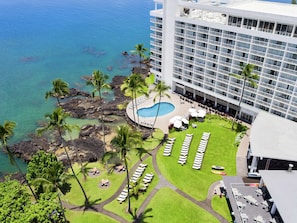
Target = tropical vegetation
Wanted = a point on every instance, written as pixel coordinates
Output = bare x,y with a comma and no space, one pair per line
98,82
135,85
161,90
7,131
248,78
56,121
16,205
59,89
125,140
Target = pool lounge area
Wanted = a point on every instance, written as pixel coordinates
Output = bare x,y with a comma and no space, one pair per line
180,108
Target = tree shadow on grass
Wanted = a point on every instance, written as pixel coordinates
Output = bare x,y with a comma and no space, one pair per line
141,218
90,204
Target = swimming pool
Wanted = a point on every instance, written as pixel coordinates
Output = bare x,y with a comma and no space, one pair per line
165,108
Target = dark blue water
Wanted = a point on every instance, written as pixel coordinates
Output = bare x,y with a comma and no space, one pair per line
44,40
41,40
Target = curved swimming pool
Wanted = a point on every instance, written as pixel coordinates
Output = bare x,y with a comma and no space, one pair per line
165,108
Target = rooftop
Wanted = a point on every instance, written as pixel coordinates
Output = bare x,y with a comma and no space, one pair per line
282,185
273,137
282,9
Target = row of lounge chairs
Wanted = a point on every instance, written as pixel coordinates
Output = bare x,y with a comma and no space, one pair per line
123,195
148,178
138,173
185,149
168,146
200,151
138,101
147,123
135,178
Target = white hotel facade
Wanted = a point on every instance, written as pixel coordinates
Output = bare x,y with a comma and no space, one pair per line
196,45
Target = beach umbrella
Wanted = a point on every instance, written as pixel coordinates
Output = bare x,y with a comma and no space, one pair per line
191,110
194,114
175,118
185,121
201,113
177,124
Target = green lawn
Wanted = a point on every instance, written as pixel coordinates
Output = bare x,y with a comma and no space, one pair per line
220,206
87,216
169,206
220,151
121,209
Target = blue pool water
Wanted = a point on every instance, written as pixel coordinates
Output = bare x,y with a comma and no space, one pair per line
165,108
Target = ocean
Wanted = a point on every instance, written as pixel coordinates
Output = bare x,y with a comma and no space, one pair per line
68,39
48,39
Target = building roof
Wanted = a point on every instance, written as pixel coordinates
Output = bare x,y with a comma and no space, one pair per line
282,9
282,185
273,137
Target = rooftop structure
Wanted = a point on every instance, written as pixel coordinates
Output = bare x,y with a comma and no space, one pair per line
282,185
196,45
273,137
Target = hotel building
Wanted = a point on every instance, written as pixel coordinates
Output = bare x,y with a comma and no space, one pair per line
196,45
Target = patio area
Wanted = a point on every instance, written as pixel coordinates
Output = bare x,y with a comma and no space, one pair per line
182,105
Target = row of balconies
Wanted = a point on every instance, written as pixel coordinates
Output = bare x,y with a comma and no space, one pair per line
256,101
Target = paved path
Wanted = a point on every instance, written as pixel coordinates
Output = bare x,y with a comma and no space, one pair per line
206,204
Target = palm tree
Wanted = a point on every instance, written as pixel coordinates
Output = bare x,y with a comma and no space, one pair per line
84,169
141,151
247,75
54,181
110,160
125,140
98,82
135,84
56,121
6,131
59,89
139,50
161,90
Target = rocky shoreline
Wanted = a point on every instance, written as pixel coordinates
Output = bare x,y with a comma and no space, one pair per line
89,146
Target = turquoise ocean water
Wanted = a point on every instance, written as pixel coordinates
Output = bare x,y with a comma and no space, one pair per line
48,39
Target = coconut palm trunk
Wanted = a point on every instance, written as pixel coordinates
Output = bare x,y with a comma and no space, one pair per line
158,109
87,203
239,104
56,121
246,75
128,185
124,141
98,82
102,122
61,205
13,161
6,131
160,89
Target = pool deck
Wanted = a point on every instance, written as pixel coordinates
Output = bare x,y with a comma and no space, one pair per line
181,109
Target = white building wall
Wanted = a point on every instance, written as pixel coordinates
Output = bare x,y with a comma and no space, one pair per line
200,48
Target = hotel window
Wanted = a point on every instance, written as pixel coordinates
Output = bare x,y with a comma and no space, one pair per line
234,21
284,29
250,23
257,58
266,26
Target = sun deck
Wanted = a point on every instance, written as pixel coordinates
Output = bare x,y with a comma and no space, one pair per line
181,109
